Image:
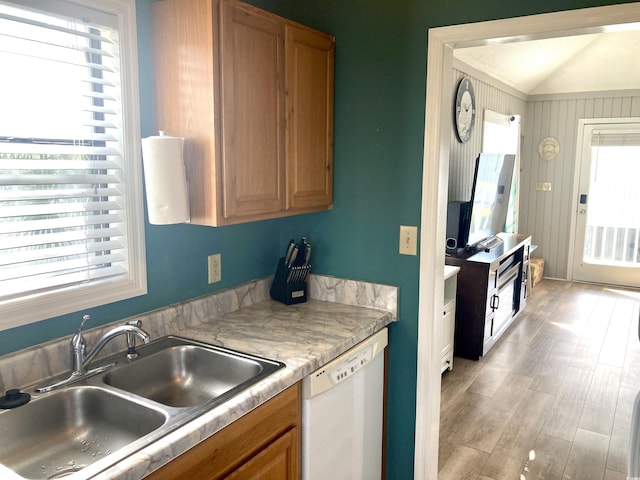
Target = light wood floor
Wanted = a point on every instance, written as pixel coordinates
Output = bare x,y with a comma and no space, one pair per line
553,398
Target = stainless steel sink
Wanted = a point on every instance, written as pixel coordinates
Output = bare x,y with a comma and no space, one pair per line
188,375
64,432
87,426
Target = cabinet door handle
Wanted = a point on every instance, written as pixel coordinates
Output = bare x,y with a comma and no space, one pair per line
495,302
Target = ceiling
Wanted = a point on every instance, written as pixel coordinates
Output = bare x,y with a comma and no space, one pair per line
582,63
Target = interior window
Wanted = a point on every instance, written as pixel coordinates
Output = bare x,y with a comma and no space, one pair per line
71,228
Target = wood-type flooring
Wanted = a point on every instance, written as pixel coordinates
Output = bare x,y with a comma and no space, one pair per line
553,399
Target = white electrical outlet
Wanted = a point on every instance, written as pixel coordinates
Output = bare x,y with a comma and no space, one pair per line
215,267
408,240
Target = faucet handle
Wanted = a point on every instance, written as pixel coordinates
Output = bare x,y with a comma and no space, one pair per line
77,342
78,348
85,319
135,323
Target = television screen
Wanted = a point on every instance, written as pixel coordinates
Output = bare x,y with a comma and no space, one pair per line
490,196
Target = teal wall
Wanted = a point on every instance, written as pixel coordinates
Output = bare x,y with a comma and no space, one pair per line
379,119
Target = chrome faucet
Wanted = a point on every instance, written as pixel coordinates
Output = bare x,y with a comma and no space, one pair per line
80,359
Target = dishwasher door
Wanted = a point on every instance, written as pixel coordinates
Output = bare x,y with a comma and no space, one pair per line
342,415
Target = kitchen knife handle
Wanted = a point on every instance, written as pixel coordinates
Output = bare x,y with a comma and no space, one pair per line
307,254
287,257
294,256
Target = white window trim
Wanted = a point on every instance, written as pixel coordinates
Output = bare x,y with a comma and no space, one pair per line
33,308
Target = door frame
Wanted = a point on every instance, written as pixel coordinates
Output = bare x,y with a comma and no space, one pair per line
576,180
437,135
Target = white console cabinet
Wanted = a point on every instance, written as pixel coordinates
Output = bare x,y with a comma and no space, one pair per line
449,316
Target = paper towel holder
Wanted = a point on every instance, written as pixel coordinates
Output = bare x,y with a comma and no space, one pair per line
165,180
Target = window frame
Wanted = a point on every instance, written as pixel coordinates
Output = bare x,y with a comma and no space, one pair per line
34,307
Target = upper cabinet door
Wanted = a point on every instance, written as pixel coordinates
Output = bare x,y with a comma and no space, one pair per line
252,111
309,106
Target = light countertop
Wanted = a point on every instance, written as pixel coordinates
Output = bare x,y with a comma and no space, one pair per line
303,336
340,314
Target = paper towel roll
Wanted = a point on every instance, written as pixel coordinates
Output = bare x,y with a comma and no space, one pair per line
165,180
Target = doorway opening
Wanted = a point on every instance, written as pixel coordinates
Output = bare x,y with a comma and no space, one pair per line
441,43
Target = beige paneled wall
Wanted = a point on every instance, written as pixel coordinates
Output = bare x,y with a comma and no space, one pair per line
547,214
463,155
544,215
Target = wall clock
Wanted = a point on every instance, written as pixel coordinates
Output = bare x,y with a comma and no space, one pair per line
465,111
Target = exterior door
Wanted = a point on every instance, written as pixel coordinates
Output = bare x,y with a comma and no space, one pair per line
607,235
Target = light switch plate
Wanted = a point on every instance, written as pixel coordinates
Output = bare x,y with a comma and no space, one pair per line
543,186
408,240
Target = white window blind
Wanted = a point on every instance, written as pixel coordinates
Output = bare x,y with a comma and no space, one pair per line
68,172
615,138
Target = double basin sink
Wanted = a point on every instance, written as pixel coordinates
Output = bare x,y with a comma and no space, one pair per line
92,424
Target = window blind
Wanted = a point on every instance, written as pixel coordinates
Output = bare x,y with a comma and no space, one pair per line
615,138
63,220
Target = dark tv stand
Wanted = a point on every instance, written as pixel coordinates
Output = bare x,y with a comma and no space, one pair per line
492,291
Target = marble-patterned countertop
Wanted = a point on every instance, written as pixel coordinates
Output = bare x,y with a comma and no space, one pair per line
304,337
339,314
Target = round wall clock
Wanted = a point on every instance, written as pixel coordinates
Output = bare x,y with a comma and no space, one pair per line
465,111
548,148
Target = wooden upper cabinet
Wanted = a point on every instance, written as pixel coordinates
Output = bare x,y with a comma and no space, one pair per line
185,53
309,100
252,66
252,94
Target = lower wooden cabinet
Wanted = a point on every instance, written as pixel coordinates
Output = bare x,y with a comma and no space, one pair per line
274,462
263,444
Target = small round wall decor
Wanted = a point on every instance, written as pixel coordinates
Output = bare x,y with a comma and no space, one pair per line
548,148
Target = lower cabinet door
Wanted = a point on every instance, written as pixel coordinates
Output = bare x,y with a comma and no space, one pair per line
446,336
276,462
264,444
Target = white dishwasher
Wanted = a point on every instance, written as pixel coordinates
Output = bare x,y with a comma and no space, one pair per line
342,409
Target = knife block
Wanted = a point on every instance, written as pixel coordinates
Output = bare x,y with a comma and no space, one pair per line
290,283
